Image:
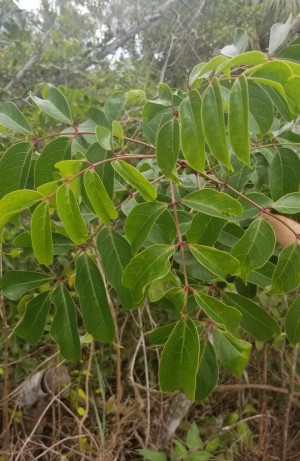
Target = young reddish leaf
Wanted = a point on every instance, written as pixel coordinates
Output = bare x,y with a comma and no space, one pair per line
41,235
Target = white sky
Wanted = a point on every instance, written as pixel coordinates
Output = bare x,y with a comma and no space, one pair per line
29,4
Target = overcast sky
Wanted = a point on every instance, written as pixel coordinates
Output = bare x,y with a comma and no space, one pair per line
29,4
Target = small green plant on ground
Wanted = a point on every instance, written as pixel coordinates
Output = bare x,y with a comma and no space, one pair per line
185,211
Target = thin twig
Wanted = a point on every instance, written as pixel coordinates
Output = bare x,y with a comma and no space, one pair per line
5,416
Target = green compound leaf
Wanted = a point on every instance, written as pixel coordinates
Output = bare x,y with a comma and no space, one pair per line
191,131
213,203
140,221
64,329
15,284
99,198
292,322
114,105
219,312
288,204
95,154
41,235
152,263
255,247
12,118
115,253
232,353
254,319
216,261
284,175
14,168
117,131
167,149
204,229
180,359
15,202
160,335
286,276
55,151
164,96
261,109
104,137
213,123
152,127
274,70
69,169
136,179
94,305
33,323
208,372
250,58
55,105
291,88
262,276
203,69
238,119
70,215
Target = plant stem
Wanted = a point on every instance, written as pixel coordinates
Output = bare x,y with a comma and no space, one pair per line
5,416
180,243
289,402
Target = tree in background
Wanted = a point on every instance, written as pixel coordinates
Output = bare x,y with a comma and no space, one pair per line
94,44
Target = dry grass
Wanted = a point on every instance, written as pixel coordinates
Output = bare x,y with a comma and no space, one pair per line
113,407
